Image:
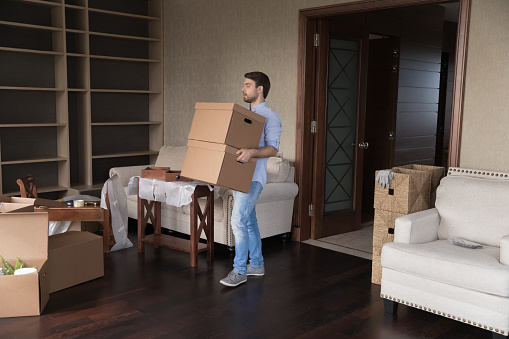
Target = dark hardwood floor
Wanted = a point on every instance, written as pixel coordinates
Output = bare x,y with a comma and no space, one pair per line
307,292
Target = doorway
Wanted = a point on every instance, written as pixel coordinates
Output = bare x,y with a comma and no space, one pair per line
307,218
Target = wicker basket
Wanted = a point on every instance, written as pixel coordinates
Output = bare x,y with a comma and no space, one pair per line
408,192
437,173
383,232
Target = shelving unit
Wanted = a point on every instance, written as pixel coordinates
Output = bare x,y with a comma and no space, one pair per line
81,90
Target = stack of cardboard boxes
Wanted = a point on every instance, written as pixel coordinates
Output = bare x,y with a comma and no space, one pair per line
411,190
218,131
62,260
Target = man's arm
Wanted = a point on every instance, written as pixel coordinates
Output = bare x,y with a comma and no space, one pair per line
247,153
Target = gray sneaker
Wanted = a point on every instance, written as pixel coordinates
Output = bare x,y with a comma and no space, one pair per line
234,279
260,271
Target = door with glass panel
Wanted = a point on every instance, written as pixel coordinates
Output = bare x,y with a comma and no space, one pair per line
340,97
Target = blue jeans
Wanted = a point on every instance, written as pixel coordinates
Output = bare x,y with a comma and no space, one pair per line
245,229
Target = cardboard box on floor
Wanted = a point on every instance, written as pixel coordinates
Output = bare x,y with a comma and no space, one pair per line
217,164
74,258
23,235
226,123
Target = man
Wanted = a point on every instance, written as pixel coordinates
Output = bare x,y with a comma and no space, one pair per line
248,242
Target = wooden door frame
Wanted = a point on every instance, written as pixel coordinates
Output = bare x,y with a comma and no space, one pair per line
305,93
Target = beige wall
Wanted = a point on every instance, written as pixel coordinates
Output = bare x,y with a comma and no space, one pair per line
208,46
485,136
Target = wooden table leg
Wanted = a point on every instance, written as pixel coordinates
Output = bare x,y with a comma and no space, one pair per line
210,227
107,231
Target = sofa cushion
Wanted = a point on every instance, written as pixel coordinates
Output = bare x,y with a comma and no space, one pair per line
277,169
172,157
473,269
474,209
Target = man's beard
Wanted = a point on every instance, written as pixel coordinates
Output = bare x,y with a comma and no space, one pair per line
249,99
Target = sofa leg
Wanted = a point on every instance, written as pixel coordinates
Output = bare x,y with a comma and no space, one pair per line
286,236
497,336
390,306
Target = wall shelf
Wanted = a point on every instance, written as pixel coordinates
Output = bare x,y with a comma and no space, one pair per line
76,76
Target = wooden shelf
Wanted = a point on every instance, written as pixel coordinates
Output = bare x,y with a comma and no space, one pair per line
126,154
32,89
122,58
42,3
74,6
127,123
76,55
30,161
120,36
77,31
56,124
42,189
87,187
53,52
141,91
129,15
34,51
22,25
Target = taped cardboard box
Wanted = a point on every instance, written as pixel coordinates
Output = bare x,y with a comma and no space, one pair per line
408,192
226,123
437,173
217,164
74,258
24,235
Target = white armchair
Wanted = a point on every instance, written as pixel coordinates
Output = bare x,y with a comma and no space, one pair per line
422,269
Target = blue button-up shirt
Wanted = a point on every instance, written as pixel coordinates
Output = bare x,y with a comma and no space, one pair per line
270,137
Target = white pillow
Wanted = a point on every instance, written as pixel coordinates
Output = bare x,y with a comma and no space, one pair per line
277,169
172,157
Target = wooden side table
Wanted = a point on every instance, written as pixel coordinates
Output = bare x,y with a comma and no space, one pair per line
87,213
150,211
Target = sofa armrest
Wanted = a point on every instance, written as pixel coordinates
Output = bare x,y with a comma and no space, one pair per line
504,250
278,191
417,228
125,173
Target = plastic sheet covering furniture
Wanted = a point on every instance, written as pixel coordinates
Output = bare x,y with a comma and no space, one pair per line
151,192
114,199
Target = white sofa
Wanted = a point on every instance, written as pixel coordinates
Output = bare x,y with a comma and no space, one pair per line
422,269
274,207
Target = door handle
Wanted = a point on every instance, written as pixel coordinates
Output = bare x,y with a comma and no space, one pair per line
363,145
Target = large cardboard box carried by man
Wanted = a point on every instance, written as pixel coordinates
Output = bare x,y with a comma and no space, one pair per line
23,235
218,131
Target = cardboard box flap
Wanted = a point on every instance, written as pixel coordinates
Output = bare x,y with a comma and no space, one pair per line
7,207
214,147
24,235
68,239
32,201
229,106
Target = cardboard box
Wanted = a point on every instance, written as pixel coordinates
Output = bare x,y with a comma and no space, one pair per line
226,123
408,192
24,235
33,202
74,258
217,164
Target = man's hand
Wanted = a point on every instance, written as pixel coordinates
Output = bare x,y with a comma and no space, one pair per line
245,154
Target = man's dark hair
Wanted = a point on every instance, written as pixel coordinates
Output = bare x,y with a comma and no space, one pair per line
260,79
